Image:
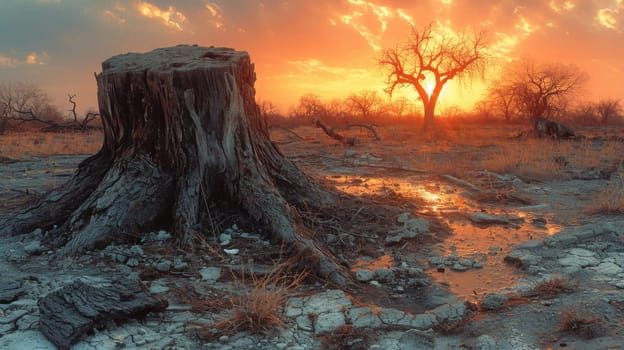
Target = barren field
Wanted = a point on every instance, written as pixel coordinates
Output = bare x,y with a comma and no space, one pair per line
477,237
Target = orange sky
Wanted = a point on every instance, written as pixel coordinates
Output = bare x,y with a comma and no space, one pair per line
328,48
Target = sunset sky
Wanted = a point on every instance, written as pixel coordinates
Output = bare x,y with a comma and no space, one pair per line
326,47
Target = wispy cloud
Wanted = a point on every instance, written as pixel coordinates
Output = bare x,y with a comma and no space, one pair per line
12,59
170,17
216,14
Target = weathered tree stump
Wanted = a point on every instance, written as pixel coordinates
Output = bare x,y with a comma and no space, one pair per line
181,129
70,312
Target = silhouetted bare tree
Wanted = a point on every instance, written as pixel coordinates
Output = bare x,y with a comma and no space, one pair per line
542,90
608,109
364,104
433,57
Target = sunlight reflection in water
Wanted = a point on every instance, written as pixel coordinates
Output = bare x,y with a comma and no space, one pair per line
485,244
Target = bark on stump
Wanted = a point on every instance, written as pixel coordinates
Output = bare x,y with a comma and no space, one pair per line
181,128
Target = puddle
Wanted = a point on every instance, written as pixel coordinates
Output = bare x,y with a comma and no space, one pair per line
485,246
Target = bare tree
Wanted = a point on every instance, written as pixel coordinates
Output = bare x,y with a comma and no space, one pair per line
433,58
89,115
25,102
542,90
608,109
502,99
310,106
364,104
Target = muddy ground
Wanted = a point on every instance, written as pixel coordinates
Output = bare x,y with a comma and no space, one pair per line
471,238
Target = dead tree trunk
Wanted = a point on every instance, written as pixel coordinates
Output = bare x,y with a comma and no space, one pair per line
181,129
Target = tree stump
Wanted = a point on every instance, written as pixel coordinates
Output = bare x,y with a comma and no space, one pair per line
181,129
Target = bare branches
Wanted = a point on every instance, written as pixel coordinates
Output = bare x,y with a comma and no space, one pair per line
432,58
89,116
529,90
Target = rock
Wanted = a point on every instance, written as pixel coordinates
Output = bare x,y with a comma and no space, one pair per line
522,259
411,228
328,301
578,261
210,274
225,239
162,236
486,342
489,219
459,267
494,301
26,340
384,275
137,251
181,266
304,323
450,313
231,251
132,262
403,217
364,275
533,244
70,312
158,287
363,317
10,290
163,266
608,268
416,339
12,316
34,248
327,323
424,321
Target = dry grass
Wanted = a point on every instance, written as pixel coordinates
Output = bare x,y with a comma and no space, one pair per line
586,325
552,287
258,308
610,201
18,145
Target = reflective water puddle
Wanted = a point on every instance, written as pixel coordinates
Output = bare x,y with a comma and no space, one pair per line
470,260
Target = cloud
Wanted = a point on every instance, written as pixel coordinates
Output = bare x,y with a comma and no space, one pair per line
13,60
609,18
216,16
169,17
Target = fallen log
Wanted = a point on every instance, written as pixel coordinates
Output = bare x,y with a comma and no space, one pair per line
365,126
349,141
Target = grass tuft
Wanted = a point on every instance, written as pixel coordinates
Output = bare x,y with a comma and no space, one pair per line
588,326
553,286
610,201
258,308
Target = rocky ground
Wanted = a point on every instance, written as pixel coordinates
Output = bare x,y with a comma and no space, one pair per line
463,257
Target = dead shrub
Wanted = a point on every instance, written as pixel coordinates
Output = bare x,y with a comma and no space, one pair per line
552,287
585,325
259,305
610,201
